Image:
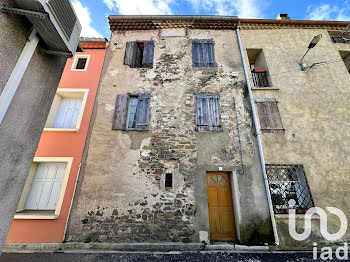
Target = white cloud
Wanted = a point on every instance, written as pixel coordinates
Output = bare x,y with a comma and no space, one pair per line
85,20
140,7
241,8
329,12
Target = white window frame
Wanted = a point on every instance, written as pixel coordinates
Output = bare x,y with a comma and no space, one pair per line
39,214
66,93
75,62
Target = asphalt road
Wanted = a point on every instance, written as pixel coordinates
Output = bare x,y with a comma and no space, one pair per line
155,257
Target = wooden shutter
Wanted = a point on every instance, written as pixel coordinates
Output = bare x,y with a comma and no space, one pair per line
68,113
197,57
46,186
214,113
203,53
120,112
264,116
148,53
130,54
143,112
276,122
202,121
208,112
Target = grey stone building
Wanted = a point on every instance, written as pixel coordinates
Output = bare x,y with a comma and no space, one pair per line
28,83
172,154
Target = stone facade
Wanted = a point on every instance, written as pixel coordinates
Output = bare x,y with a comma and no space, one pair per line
121,195
314,109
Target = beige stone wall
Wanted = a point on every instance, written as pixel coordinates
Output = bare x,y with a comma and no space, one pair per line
314,108
121,195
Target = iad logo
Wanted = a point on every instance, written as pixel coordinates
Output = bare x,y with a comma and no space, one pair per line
341,253
323,223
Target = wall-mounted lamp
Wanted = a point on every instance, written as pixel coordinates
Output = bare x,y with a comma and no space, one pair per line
312,44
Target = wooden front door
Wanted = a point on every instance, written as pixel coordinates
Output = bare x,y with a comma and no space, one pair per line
221,218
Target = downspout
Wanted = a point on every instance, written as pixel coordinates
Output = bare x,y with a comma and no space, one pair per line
71,203
17,73
261,154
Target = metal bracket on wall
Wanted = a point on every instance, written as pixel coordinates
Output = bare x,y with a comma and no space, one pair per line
19,11
58,53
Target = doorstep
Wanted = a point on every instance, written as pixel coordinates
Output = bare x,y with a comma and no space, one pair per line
128,247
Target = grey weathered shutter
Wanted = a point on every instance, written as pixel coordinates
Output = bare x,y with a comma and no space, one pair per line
202,119
143,112
130,54
120,112
211,56
148,53
276,122
196,53
214,113
264,118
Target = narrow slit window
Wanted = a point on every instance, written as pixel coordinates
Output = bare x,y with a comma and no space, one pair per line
168,180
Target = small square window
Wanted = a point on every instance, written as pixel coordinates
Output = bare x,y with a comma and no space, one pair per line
66,110
169,180
80,63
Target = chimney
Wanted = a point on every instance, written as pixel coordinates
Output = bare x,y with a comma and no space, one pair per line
282,17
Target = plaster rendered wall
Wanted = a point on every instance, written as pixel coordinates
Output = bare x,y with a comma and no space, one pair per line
314,108
121,195
22,125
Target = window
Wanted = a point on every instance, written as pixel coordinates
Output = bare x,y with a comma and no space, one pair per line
258,67
139,54
168,180
288,182
132,112
208,113
80,63
203,53
45,187
336,37
66,110
269,116
345,55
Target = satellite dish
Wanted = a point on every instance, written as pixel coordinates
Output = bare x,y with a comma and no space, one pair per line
346,33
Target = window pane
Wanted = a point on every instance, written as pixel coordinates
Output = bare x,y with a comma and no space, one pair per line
81,63
132,112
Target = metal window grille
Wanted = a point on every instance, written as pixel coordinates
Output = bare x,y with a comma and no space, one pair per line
260,79
288,182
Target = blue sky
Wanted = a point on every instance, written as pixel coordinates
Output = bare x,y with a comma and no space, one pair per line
93,13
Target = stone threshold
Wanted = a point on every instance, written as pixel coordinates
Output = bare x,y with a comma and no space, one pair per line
94,247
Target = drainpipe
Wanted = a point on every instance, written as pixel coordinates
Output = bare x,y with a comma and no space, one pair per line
261,154
17,73
71,203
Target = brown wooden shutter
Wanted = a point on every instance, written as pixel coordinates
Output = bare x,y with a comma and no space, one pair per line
263,116
202,121
120,112
130,54
148,53
143,112
276,122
